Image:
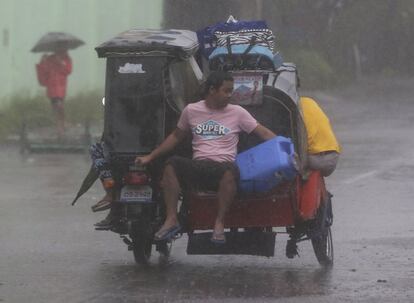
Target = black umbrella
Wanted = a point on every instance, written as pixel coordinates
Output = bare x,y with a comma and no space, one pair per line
89,180
54,41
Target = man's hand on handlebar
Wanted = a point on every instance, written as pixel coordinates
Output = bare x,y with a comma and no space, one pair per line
143,160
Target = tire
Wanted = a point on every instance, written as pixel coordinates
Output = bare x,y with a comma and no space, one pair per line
142,248
141,234
322,240
323,248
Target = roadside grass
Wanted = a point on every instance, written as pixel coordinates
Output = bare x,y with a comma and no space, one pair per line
314,70
34,112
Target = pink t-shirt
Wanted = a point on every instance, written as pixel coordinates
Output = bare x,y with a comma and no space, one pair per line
215,132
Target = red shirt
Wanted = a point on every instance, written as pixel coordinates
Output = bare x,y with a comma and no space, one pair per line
53,71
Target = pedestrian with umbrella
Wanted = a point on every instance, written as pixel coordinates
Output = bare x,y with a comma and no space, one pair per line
53,70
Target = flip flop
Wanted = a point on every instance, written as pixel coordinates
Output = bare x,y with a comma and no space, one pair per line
101,205
218,238
167,234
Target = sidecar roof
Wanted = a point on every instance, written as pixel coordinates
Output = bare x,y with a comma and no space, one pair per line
138,42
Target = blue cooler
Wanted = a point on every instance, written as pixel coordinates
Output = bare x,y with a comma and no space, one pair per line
266,165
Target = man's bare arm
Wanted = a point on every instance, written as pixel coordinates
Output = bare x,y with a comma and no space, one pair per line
166,146
263,132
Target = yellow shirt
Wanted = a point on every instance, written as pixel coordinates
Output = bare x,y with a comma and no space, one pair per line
320,134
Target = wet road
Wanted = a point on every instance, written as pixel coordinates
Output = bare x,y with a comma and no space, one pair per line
49,251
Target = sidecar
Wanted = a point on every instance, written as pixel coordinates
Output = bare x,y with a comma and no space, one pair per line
300,206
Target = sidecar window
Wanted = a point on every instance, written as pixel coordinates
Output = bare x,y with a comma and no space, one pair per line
185,77
134,113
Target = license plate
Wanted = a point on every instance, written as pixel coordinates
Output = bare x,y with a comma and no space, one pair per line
136,193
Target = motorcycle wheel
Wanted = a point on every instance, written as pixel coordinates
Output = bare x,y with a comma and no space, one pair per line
142,247
322,243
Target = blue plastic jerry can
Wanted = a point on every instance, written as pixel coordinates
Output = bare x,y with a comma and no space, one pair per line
266,165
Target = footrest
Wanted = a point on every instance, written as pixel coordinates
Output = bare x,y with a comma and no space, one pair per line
237,243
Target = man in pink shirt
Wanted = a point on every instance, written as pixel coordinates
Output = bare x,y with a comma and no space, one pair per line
215,126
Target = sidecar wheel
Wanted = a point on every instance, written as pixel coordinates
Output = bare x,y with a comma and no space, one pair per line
323,248
322,241
142,247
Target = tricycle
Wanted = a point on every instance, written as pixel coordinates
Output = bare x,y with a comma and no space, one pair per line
150,76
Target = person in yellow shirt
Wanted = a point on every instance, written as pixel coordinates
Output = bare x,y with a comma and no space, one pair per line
323,147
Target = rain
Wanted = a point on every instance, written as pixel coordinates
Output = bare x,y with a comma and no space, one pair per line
127,69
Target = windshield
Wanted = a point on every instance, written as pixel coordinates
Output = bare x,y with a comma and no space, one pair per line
134,110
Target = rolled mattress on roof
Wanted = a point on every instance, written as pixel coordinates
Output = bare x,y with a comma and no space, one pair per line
182,43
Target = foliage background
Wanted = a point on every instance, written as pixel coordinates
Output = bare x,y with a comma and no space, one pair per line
331,41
